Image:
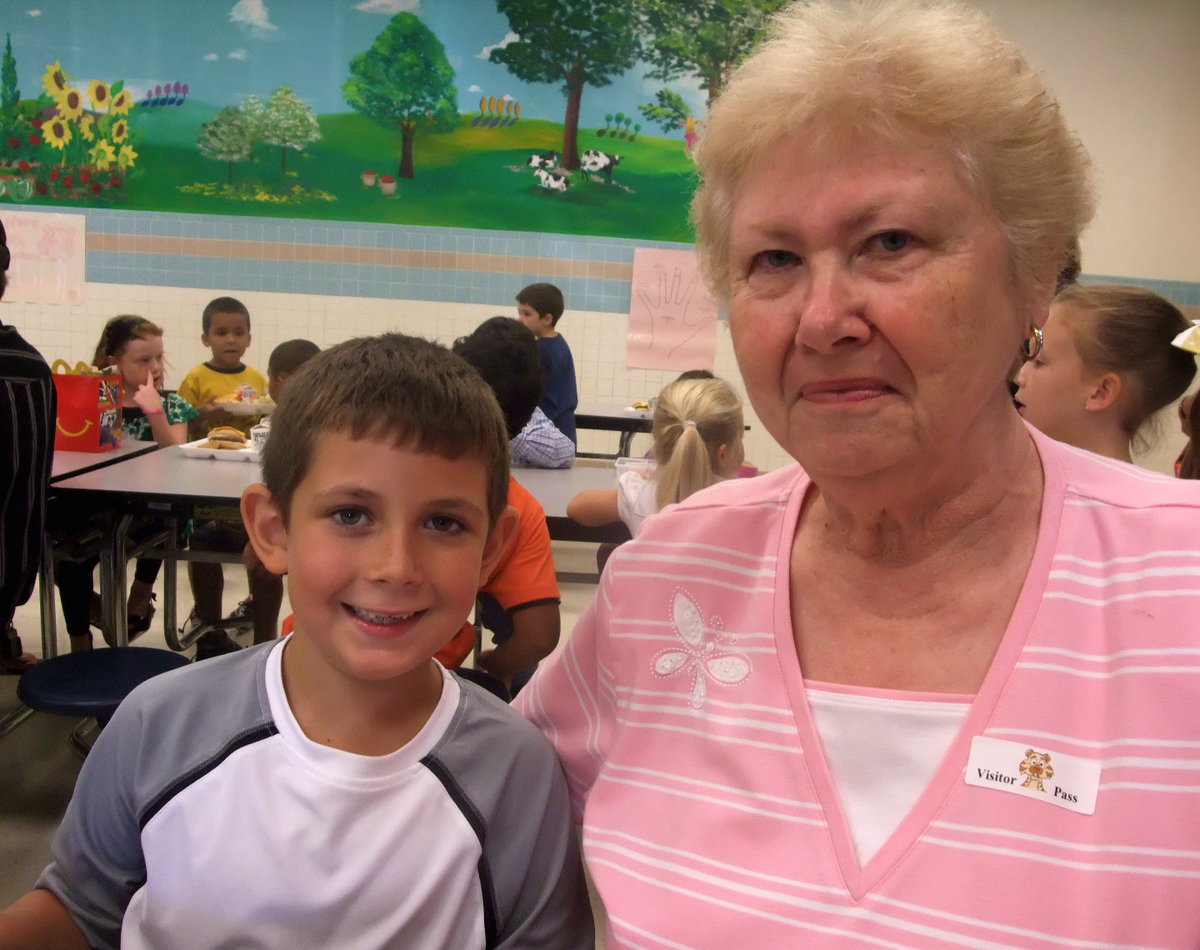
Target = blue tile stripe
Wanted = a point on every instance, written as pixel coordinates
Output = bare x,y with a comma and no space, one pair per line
554,257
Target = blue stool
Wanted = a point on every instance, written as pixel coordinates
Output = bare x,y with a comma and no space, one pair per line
92,682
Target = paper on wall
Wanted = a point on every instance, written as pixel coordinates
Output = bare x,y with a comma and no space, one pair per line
672,317
47,257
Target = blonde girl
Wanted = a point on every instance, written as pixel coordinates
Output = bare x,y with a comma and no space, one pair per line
1105,367
697,431
134,346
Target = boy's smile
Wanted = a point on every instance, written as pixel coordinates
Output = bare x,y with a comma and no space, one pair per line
228,337
384,551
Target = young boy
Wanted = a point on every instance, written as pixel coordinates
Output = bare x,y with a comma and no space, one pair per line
261,609
226,331
407,808
539,307
520,599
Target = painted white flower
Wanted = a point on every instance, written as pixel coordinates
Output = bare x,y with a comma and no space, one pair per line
701,656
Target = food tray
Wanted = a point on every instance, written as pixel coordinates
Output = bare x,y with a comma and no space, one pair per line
237,408
193,451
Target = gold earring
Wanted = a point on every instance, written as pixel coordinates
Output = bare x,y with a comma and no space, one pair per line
1032,345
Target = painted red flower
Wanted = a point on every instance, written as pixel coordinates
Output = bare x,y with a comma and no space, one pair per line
68,181
95,187
14,142
36,123
54,173
41,187
35,139
23,165
115,181
85,175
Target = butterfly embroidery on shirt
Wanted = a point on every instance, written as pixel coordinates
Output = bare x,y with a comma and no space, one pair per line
701,655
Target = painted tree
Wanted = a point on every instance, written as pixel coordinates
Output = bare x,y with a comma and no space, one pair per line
227,137
576,42
402,81
288,122
702,38
669,110
10,95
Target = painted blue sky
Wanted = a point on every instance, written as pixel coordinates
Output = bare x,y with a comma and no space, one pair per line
228,49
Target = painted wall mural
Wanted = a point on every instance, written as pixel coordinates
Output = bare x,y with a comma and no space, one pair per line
571,116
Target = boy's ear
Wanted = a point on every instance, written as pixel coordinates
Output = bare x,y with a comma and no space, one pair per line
499,541
1105,392
265,527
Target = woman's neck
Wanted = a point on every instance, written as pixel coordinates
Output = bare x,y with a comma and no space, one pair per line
904,517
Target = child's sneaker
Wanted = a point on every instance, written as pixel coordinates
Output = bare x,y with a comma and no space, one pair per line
215,643
242,617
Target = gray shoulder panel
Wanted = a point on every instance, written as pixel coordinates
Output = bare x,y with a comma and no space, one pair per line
505,778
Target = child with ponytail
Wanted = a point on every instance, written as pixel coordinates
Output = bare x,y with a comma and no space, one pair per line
697,430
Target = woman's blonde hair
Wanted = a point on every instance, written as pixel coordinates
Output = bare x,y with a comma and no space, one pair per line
909,71
1128,330
693,418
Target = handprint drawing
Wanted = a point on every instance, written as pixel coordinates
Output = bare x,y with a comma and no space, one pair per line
701,655
676,313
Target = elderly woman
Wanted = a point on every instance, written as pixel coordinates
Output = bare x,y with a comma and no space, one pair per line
937,685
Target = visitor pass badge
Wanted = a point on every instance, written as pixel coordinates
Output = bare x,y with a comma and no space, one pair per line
1034,771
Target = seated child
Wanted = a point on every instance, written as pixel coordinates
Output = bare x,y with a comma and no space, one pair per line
540,307
225,326
1107,363
520,598
697,431
134,346
261,608
407,808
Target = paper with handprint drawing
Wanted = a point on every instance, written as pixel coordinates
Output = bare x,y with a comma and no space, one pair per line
47,257
672,318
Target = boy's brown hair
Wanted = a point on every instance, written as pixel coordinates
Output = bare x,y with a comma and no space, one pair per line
545,299
290,355
412,391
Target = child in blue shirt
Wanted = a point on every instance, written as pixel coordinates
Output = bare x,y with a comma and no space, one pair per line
539,307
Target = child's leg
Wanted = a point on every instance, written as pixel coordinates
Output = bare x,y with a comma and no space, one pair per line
142,588
267,591
207,578
74,579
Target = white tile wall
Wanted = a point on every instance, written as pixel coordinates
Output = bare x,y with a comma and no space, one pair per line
597,339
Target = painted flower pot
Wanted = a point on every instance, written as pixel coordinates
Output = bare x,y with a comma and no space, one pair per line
369,179
387,184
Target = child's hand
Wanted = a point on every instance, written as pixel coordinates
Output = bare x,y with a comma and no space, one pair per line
147,399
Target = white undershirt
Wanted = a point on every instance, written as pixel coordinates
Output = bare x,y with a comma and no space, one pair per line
882,752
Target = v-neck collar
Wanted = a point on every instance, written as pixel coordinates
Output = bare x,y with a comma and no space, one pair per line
948,778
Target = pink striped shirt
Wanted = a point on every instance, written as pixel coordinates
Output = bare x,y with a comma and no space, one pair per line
710,820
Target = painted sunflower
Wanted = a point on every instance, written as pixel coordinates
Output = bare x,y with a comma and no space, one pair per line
54,80
122,102
102,154
57,132
98,93
70,104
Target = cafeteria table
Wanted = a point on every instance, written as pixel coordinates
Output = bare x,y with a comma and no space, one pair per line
170,485
625,420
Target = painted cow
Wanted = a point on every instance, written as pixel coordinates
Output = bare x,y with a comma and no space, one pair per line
545,160
599,162
555,181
